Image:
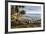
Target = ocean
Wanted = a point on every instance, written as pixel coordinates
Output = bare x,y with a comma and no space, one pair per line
33,16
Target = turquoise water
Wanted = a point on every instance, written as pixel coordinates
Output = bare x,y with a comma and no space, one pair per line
34,16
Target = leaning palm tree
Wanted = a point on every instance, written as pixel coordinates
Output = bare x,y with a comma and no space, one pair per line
15,11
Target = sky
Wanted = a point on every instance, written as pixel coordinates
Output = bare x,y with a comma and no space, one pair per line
32,9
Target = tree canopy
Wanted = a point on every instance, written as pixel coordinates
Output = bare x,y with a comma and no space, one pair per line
22,12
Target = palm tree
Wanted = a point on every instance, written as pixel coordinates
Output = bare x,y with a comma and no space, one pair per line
15,11
12,9
22,12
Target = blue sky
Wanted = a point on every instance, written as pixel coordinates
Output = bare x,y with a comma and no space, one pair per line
33,9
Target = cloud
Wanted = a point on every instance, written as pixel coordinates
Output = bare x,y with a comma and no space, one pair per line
32,8
32,12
